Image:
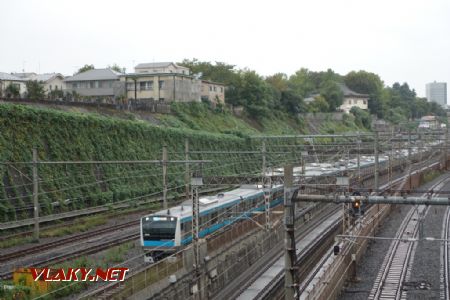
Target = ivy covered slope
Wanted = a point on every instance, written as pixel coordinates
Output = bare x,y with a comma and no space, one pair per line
62,136
199,116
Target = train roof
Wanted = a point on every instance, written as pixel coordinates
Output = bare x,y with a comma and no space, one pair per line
214,201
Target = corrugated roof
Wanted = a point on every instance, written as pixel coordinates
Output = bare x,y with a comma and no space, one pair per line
95,74
7,76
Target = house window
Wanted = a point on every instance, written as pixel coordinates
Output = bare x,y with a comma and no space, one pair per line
130,86
146,85
210,88
365,102
221,89
74,85
110,84
91,84
161,99
215,88
50,86
161,84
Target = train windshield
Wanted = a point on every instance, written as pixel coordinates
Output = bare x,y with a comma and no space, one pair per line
158,228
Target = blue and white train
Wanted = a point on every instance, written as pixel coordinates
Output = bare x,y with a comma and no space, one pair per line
164,232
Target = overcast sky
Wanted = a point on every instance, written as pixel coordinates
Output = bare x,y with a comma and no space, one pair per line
401,40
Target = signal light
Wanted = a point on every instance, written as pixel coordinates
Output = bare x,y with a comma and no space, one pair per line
336,250
356,205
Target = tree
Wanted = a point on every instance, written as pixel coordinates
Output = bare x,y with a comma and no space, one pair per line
35,90
332,93
318,105
292,103
362,118
115,67
12,91
85,68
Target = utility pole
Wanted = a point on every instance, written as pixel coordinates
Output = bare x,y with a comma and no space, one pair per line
186,174
266,185
446,148
290,256
409,158
376,162
196,182
35,195
164,174
358,161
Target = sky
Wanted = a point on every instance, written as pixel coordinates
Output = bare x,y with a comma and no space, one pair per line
401,41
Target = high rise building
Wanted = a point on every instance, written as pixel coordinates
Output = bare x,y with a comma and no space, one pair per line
437,92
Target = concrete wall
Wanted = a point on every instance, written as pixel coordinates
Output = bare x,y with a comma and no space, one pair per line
166,88
213,92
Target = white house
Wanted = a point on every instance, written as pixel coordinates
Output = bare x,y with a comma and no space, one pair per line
7,79
352,98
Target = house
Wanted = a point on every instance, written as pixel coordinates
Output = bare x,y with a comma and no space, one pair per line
51,81
96,83
429,122
352,98
164,87
165,82
161,68
213,91
6,80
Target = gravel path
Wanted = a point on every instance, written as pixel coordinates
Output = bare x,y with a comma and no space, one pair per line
426,260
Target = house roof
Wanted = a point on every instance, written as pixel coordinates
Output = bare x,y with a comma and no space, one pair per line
157,65
25,75
350,93
428,118
46,77
7,76
95,74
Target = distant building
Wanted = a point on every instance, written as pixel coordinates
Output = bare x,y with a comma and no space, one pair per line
96,83
213,91
352,98
162,81
51,81
161,68
430,122
164,87
7,79
437,92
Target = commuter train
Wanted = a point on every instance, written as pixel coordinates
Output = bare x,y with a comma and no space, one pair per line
166,231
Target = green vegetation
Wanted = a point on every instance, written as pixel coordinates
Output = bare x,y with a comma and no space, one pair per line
262,96
431,175
12,91
35,90
85,68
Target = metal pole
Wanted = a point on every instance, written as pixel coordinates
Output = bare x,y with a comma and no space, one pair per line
35,195
289,247
266,185
195,231
446,147
376,163
409,158
164,175
186,174
358,161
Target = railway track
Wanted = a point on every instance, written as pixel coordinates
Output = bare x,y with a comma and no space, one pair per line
63,241
274,260
389,281
445,260
89,247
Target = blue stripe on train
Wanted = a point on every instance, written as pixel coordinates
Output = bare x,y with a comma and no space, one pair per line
159,243
216,227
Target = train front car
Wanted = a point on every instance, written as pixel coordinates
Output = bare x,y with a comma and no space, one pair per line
160,235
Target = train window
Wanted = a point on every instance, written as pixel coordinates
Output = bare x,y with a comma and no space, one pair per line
214,217
158,228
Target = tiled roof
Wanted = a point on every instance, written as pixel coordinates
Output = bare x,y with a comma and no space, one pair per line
95,74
